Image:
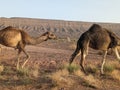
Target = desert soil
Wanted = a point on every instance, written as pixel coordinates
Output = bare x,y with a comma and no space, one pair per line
49,56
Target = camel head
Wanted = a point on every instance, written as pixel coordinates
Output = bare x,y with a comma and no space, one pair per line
50,35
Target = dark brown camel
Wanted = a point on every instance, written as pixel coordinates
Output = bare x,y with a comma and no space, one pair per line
18,39
97,38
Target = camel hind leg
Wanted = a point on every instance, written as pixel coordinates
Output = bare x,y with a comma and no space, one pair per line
77,51
84,53
26,58
21,48
18,58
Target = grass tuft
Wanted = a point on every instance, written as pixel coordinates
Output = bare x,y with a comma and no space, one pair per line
108,68
23,72
72,68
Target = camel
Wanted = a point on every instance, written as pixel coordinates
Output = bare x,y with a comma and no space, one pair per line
97,38
18,39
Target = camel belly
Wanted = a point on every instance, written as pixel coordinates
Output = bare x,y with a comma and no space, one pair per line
100,44
10,40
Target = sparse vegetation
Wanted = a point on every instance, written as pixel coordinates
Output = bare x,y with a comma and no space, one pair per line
65,77
7,71
23,72
109,68
72,68
92,69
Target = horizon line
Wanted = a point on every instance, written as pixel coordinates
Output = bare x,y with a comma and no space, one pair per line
63,20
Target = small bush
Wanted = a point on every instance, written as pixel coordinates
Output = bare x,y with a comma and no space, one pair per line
108,68
23,72
61,78
72,68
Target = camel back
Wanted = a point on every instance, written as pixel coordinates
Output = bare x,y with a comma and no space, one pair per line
97,29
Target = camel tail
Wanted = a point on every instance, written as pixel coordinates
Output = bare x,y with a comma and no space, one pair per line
75,53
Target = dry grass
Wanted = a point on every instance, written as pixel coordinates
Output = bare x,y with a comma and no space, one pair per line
35,71
116,75
109,68
113,68
67,77
88,80
93,69
62,78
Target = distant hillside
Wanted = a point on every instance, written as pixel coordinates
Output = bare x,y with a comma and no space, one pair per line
62,28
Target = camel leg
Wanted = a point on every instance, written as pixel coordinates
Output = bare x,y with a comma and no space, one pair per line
103,61
117,54
18,59
84,52
74,55
83,55
26,58
21,48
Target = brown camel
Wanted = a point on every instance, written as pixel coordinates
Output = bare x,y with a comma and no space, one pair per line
18,39
97,38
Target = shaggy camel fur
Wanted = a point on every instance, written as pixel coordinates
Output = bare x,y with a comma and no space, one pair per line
97,38
18,39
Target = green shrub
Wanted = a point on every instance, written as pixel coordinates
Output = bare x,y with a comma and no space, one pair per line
108,68
72,68
23,72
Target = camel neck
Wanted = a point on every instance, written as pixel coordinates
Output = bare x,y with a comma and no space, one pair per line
41,39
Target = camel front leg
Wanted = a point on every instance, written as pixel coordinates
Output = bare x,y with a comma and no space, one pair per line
103,61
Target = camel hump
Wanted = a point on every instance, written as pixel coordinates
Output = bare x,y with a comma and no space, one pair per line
95,27
9,27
